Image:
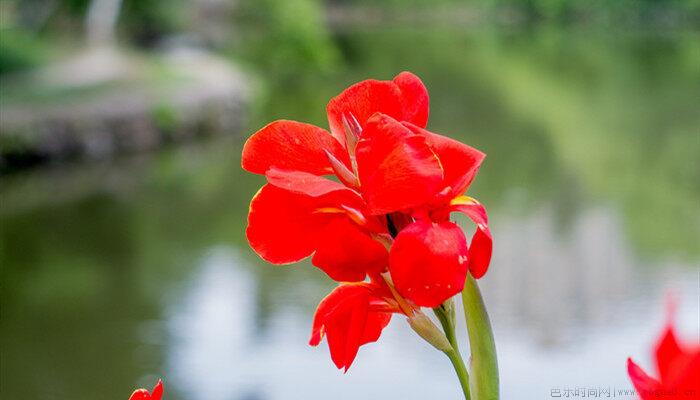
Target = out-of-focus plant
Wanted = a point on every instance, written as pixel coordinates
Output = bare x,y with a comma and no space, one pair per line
19,50
286,37
139,22
146,22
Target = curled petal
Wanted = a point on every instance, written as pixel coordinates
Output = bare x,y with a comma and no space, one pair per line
397,170
283,226
643,383
347,254
428,262
292,145
459,161
481,246
348,317
405,99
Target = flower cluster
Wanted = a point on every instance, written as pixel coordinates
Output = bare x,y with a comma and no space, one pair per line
371,201
678,368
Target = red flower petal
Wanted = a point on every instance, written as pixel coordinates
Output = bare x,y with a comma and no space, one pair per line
415,100
308,184
346,318
405,99
480,250
376,322
459,161
362,100
428,262
291,145
397,169
481,246
157,391
688,378
667,351
282,225
678,368
140,394
643,383
347,254
678,365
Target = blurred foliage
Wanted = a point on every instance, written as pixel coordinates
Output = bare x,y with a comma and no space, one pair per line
555,11
146,22
284,37
140,22
639,11
20,50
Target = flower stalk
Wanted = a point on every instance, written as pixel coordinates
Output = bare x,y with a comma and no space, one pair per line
446,314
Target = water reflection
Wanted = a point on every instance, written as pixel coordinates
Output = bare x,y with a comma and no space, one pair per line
213,332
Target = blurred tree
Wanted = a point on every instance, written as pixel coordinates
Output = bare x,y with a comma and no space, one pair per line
145,23
19,50
286,36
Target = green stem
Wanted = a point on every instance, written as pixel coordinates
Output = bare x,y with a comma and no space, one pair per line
447,319
484,366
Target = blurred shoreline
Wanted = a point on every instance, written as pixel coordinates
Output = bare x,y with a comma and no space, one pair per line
104,101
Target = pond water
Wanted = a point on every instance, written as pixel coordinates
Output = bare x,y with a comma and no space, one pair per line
116,273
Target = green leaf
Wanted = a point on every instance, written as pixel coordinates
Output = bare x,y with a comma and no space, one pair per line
484,366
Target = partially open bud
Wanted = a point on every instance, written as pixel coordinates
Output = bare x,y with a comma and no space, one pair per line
449,308
426,329
353,130
342,172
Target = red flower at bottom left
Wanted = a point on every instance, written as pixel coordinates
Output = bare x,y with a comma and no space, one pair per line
142,394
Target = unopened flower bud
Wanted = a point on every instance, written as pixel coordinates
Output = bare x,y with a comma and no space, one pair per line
426,329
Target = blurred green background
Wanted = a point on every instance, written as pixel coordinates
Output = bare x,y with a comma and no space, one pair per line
122,248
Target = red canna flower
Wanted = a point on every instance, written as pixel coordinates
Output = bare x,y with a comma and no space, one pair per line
678,369
352,315
142,394
294,156
388,211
